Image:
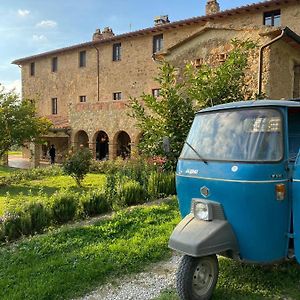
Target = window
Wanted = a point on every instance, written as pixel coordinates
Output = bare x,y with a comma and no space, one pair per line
156,93
272,18
54,106
236,135
82,59
82,98
32,69
158,41
117,96
222,57
54,64
117,52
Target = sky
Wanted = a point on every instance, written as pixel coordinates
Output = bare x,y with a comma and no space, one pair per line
29,27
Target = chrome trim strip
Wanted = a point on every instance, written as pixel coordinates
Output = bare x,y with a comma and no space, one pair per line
239,181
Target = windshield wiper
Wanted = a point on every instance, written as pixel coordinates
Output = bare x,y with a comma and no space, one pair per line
205,161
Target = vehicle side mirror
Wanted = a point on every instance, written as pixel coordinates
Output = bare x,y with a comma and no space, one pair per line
166,144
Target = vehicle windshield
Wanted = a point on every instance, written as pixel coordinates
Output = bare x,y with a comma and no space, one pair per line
236,135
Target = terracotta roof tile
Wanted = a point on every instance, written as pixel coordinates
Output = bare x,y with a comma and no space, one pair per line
186,22
59,122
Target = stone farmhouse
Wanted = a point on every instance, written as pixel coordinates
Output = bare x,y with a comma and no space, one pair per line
83,89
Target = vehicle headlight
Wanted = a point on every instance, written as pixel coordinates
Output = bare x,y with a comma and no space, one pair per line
202,211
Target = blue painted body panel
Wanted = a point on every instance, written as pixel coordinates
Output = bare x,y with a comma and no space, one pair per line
296,209
247,192
259,221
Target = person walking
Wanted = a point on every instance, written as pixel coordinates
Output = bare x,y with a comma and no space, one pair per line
52,154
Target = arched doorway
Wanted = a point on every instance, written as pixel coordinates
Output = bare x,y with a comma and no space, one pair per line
81,138
123,142
102,145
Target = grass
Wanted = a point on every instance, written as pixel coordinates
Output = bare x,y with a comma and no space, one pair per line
252,282
70,262
6,170
18,153
30,189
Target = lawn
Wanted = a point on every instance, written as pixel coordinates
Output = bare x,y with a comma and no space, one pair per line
253,282
6,170
70,262
31,188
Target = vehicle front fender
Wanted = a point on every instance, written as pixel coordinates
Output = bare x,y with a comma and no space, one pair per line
197,238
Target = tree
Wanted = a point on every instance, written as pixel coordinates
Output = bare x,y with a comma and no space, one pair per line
18,122
171,114
78,165
225,83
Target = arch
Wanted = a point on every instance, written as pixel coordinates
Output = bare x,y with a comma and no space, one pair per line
81,138
123,144
101,145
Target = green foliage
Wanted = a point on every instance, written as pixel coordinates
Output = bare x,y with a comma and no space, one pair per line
39,216
161,184
169,116
94,203
18,122
131,193
64,205
78,164
86,256
224,83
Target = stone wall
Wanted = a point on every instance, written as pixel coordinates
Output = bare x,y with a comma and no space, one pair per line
135,73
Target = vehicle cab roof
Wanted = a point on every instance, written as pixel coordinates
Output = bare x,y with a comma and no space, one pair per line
253,103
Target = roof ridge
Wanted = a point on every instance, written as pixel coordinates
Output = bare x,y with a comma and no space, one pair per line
160,28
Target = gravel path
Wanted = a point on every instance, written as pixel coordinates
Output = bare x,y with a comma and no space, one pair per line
143,286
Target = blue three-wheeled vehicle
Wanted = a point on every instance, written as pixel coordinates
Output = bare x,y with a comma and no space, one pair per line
238,185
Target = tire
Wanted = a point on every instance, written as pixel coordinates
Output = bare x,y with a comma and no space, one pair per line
197,277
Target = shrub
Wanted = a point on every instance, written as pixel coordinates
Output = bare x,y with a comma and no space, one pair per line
94,203
160,184
64,205
11,226
131,193
78,165
39,216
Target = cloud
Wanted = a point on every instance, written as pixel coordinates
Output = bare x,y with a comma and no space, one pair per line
39,38
46,24
23,12
14,85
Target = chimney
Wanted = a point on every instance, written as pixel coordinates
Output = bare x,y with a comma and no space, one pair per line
161,20
97,36
107,33
212,7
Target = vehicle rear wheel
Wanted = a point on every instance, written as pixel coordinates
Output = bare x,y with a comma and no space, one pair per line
197,277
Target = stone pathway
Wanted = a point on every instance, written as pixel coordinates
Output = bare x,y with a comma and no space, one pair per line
17,161
142,286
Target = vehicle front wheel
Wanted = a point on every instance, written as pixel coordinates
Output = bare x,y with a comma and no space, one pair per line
197,277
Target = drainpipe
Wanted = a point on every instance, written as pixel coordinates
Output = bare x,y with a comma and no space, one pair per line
98,74
261,59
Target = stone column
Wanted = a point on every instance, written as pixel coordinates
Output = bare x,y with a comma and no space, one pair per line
35,151
112,151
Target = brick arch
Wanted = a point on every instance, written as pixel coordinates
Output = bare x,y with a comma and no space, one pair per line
101,145
122,143
81,138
